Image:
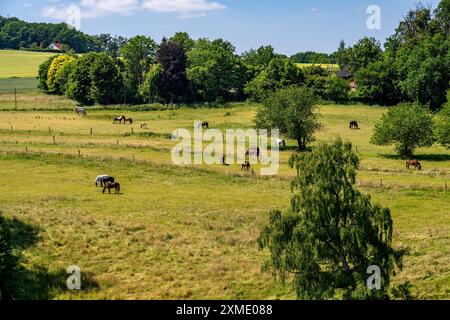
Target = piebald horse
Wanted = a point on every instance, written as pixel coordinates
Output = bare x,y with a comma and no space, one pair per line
103,180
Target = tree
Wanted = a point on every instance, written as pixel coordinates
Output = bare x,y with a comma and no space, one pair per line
259,58
183,39
407,126
424,71
342,55
62,77
150,89
214,71
364,52
138,54
377,82
280,73
442,14
332,233
43,73
80,82
443,125
173,82
56,65
8,263
293,111
311,57
336,89
106,81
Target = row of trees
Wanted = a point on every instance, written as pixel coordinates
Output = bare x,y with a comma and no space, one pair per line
183,70
18,34
415,63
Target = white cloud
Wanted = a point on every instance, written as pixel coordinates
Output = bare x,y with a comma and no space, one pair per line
182,6
98,8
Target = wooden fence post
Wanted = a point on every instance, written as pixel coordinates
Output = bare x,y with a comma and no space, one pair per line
54,140
79,153
91,131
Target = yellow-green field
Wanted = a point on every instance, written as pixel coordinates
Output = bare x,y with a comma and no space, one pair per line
330,67
21,64
188,232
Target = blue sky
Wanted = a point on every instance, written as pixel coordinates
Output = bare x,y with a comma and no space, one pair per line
290,26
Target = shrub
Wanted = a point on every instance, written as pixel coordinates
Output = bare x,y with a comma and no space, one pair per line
57,64
407,126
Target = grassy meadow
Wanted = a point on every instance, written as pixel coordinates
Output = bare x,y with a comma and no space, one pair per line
187,232
21,64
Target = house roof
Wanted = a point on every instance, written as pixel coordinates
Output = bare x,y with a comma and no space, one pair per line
344,74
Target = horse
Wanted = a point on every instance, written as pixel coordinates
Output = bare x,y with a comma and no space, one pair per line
129,120
354,125
245,166
80,111
118,119
413,163
205,124
144,126
115,186
103,180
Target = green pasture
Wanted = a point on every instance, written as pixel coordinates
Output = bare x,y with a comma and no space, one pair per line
21,64
188,232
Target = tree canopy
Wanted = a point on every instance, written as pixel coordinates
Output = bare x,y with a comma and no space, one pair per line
407,126
332,233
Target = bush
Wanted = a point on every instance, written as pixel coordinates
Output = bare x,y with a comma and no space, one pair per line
43,73
408,126
56,65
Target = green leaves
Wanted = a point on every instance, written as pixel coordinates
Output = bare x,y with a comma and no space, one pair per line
293,111
407,126
332,233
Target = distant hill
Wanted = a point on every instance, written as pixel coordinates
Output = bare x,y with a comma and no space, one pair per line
17,34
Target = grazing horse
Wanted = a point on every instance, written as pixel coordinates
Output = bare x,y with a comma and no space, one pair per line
80,111
354,125
103,180
129,120
118,119
413,163
205,124
109,186
245,166
144,126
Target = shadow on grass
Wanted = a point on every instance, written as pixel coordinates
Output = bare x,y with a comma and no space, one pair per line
23,235
420,157
36,282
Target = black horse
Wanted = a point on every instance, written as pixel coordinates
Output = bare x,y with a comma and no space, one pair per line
354,125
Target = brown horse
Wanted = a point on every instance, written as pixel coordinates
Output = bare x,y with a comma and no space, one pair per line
354,125
245,166
115,186
129,120
413,163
